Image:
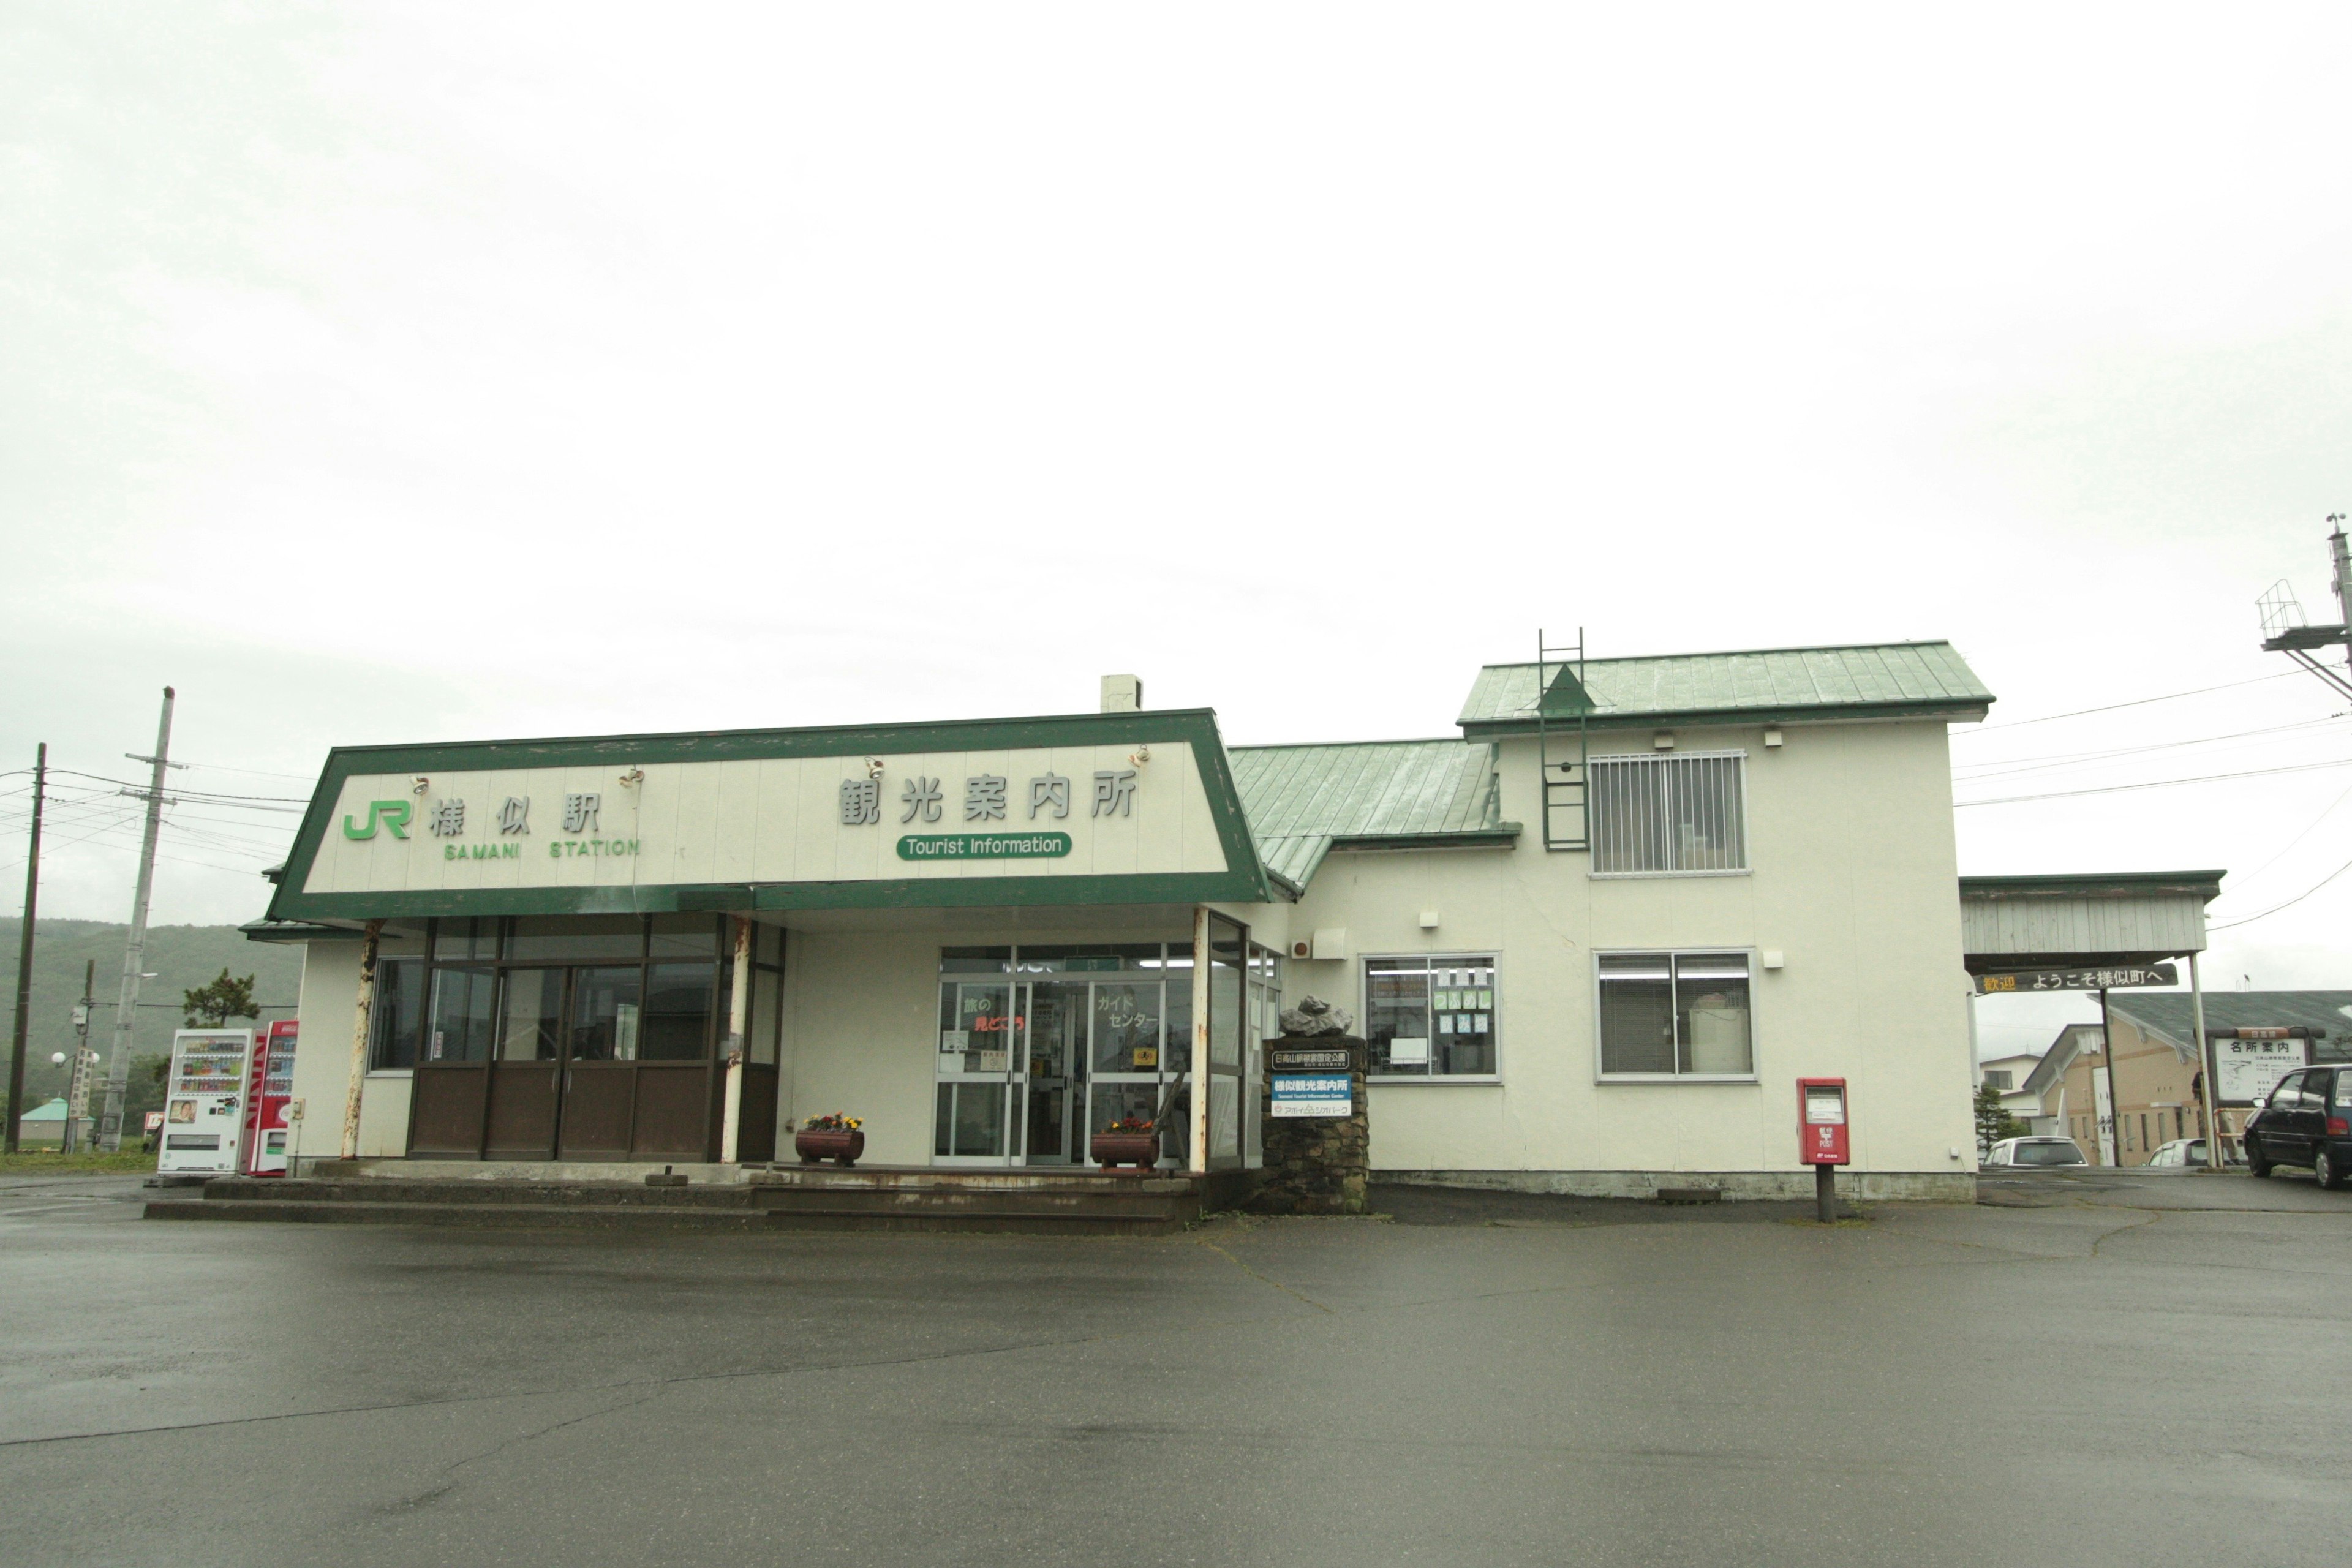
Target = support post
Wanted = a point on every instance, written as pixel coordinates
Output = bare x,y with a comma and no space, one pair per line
1200,1040
739,1025
1825,1194
2212,1096
25,956
2115,1101
355,1086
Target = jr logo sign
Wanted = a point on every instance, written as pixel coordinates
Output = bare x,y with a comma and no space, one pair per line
392,813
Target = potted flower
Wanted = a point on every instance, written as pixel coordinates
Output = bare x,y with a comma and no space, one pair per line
830,1137
1129,1140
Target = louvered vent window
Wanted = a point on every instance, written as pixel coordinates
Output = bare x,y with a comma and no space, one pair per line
1667,815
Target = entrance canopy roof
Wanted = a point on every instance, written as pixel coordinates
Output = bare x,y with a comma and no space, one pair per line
2083,922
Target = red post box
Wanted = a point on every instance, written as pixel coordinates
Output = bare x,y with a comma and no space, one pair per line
1822,1122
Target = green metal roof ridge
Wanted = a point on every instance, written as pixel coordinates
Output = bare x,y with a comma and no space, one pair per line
1335,745
1722,653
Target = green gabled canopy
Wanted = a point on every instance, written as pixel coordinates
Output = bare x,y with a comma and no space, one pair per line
1888,680
1303,800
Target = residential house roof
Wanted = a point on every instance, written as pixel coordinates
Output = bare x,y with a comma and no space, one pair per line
2167,1013
2072,1041
1911,680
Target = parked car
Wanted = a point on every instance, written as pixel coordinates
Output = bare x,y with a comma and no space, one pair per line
2039,1153
2307,1120
2189,1153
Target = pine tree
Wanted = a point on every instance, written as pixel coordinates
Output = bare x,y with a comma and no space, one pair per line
1993,1120
214,1004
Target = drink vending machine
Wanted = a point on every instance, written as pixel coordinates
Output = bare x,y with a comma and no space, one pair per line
203,1102
271,1081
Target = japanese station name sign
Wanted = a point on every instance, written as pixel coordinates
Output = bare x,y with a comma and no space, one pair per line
2118,979
1116,809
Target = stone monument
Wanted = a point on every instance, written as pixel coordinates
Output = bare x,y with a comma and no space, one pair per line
1317,1156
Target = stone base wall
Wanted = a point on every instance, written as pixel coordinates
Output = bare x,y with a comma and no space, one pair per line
1317,1164
1862,1186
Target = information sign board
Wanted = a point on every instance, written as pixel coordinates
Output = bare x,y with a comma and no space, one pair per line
2246,1070
1313,1094
1303,1058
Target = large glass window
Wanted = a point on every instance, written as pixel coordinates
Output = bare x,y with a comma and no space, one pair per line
396,1017
531,1019
677,1024
1127,1028
1431,1018
607,1010
1664,816
1676,1014
457,1028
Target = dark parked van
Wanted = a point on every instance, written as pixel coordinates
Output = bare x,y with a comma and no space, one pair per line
2307,1120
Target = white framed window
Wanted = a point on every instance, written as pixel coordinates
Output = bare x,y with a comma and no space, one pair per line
1676,1015
1432,1016
1669,816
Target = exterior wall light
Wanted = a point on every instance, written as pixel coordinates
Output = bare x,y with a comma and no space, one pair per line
419,783
1772,735
1140,756
873,767
633,778
1663,741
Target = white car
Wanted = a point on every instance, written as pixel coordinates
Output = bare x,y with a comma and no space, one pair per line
2189,1153
2039,1153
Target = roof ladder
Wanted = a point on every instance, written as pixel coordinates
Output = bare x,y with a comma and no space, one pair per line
1564,753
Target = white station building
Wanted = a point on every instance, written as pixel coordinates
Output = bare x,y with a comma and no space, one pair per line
1593,939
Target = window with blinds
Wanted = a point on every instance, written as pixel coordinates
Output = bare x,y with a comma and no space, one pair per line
1667,816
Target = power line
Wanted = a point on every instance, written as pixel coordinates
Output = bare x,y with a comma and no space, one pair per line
2275,909
1994,768
2155,784
2136,702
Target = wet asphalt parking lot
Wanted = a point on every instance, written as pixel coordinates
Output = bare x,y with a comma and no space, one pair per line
2086,1370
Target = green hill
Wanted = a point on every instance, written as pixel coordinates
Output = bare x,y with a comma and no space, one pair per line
181,958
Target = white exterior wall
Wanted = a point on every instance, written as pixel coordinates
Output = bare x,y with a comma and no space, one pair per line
1853,877
329,1012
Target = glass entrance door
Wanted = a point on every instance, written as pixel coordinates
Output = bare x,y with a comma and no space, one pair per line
1026,1067
1055,1096
978,1032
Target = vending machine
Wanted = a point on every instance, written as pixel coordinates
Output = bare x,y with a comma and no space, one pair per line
203,1102
271,1088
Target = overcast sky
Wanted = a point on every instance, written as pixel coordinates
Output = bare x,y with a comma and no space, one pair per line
406,373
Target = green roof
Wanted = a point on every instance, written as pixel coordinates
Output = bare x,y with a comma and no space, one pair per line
51,1110
1912,679
1302,800
2167,1013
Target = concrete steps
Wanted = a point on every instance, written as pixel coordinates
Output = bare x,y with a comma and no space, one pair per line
465,1216
784,1199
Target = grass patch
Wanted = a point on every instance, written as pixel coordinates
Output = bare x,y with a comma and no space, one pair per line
33,1163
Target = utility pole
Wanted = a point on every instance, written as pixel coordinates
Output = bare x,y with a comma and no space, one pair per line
134,953
2114,1102
24,954
78,1083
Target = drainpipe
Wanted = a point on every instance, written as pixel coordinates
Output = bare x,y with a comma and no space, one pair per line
357,1083
738,1015
1200,1040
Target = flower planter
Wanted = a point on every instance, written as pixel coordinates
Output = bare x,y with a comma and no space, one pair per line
1140,1150
844,1146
